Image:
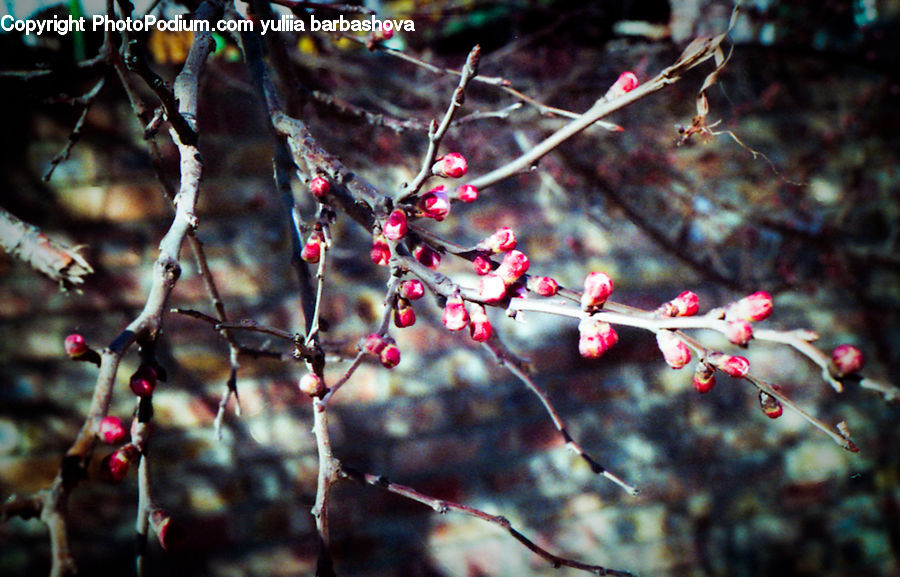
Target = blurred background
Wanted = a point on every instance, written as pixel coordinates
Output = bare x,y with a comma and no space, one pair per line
725,491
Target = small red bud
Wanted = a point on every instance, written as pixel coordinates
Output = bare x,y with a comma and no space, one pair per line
452,165
739,332
704,378
427,256
480,327
735,366
395,226
143,381
543,285
455,317
390,356
467,193
381,251
312,250
114,467
684,305
675,352
482,265
412,289
404,315
595,337
503,240
846,360
491,289
435,203
384,32
312,384
169,534
597,288
75,345
626,82
514,265
374,344
755,307
319,187
770,405
112,430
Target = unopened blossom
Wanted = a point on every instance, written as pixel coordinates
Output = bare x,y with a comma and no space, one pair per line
674,350
755,307
455,316
847,359
597,288
435,203
395,225
467,193
595,337
451,165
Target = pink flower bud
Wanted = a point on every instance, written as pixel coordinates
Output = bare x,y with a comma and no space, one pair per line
735,366
404,315
770,405
597,288
467,193
684,305
384,32
312,250
427,256
169,534
390,356
846,360
395,226
452,165
381,251
114,467
514,265
480,327
319,187
312,384
143,381
755,307
435,203
412,289
704,378
595,337
503,240
75,345
482,265
626,82
739,332
543,285
374,344
491,289
455,317
675,352
112,430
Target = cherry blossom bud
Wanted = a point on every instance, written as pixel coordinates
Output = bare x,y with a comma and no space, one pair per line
704,378
684,305
770,405
384,32
452,165
312,250
169,534
455,317
143,381
374,344
112,430
404,315
514,265
395,226
755,307
427,256
543,285
435,203
381,251
319,187
503,240
467,193
75,345
480,327
389,356
739,332
846,360
412,289
626,82
482,265
114,467
595,337
491,289
675,352
312,384
597,288
735,366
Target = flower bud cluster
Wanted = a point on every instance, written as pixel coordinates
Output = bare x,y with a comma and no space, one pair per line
595,337
384,348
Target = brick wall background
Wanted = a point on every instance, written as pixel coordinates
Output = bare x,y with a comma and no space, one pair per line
725,491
